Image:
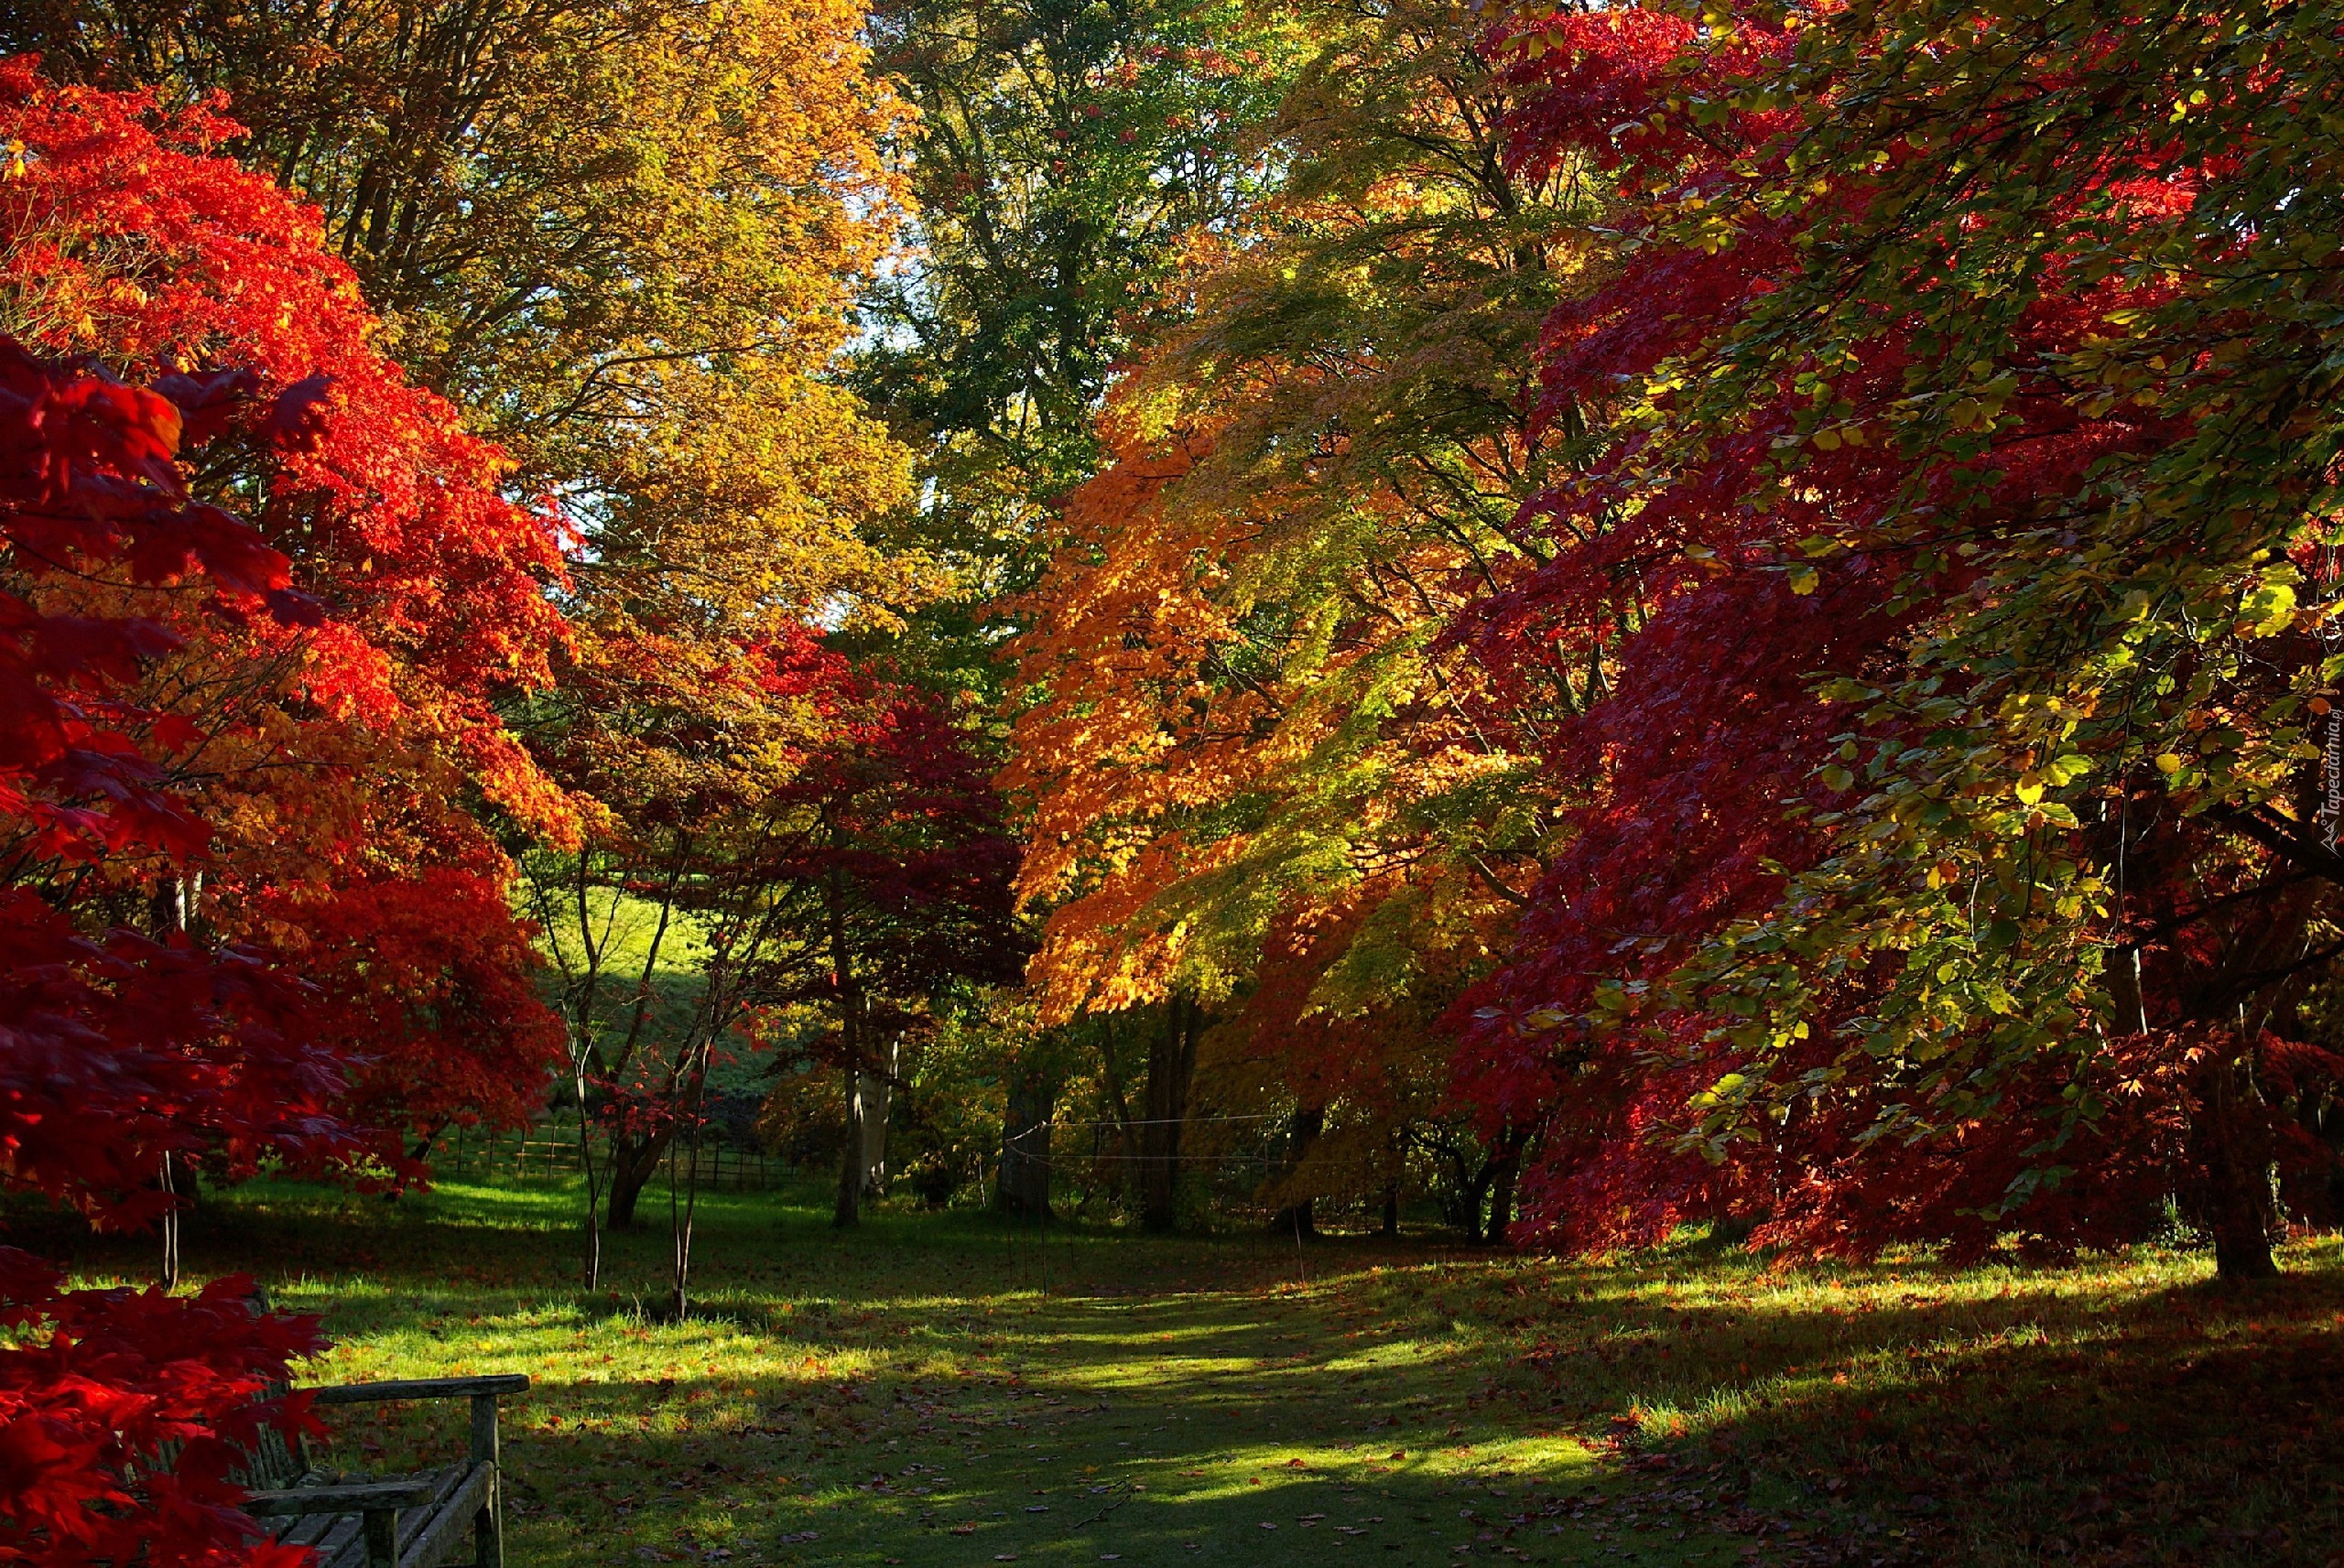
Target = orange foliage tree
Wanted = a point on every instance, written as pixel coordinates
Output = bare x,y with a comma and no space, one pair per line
1248,740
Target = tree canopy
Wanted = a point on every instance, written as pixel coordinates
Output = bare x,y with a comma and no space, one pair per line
1601,619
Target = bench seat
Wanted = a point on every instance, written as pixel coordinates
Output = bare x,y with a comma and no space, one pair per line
419,1520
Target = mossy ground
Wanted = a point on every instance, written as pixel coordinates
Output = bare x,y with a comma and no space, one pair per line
908,1394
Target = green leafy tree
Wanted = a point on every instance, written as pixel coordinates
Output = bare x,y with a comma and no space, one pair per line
1067,150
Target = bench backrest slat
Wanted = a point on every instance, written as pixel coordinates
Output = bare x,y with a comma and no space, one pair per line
271,1461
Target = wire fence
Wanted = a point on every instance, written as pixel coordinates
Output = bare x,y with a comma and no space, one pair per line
545,1152
1093,1169
1262,1179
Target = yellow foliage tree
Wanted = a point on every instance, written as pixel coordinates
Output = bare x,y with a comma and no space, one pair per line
1244,720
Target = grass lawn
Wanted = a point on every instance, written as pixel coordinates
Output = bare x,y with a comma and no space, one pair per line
907,1393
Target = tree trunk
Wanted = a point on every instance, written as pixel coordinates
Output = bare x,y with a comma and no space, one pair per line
170,1269
1025,1184
1463,1208
878,1101
173,912
633,1163
2121,970
592,1264
1392,1211
851,1011
2237,1207
1171,1064
1499,1172
421,1148
1296,1218
1119,1180
681,1215
851,1169
1508,1164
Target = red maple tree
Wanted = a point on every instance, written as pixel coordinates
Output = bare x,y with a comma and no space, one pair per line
1887,911
257,595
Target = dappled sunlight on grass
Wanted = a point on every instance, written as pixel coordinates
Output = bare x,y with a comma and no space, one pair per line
907,1394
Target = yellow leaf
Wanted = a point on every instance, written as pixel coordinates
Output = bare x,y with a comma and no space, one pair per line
2269,610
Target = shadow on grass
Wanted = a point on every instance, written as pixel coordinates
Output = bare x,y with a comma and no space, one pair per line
904,1393
2118,1411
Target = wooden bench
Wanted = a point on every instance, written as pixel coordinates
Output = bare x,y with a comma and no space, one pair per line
401,1522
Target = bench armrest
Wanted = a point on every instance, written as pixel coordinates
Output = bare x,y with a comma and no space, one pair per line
422,1388
359,1497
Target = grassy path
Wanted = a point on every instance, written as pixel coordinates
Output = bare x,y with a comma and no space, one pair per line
907,1394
